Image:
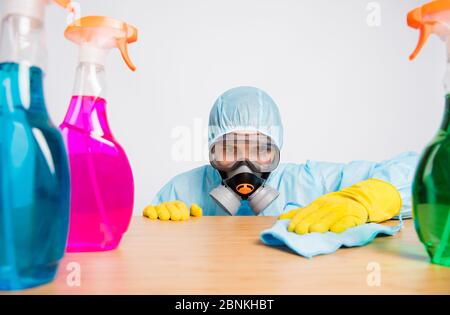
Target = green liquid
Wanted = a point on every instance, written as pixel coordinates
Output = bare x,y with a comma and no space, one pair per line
431,195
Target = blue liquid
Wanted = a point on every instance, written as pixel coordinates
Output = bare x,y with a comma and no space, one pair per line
34,185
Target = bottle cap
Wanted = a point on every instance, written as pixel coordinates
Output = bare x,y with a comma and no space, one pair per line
96,35
431,18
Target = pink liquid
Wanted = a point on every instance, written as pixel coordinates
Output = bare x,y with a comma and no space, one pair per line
102,187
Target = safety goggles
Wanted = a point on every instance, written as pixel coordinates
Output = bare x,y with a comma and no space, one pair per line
259,151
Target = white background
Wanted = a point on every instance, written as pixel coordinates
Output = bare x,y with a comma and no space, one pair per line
346,90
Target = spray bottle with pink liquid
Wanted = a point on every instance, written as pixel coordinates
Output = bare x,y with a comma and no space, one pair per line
102,193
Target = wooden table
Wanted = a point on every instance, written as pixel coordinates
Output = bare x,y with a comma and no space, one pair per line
223,255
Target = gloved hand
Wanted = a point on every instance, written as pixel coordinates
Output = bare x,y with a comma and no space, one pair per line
172,210
372,200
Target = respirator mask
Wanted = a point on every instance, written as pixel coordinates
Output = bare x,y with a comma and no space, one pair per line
244,162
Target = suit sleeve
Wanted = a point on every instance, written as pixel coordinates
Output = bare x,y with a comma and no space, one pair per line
399,171
166,193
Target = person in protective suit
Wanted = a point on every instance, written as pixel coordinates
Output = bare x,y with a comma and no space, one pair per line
245,178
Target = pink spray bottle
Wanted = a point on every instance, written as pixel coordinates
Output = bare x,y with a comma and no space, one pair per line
102,185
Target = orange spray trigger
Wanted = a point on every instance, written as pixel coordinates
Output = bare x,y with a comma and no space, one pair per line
425,32
123,47
96,35
433,17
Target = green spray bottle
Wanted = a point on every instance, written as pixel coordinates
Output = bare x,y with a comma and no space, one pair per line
431,189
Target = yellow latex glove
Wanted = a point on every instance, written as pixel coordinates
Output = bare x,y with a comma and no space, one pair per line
372,200
172,210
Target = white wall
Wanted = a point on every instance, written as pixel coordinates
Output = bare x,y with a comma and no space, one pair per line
346,90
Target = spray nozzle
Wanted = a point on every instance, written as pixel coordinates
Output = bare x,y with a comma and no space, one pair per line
97,34
32,8
431,18
66,4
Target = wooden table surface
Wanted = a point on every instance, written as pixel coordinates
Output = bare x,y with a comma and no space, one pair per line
223,255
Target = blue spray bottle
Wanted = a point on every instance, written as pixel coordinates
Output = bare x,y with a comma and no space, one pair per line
34,171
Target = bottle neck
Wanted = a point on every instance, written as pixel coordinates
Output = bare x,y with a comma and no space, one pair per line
90,80
445,126
23,87
22,41
87,110
23,57
446,122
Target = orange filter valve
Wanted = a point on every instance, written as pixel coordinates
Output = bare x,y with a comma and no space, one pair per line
96,35
431,18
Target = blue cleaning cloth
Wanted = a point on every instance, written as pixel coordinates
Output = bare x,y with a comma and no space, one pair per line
313,244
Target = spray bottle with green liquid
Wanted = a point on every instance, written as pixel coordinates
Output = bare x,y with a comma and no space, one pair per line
431,189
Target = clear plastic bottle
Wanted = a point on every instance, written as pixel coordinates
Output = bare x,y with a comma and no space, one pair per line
431,195
34,171
102,180
431,189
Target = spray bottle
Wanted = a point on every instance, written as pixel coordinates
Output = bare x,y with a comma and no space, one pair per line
431,189
34,171
102,180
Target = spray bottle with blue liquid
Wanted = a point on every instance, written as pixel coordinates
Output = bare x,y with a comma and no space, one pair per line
34,171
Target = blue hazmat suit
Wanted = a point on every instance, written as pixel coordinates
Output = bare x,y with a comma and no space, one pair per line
250,109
